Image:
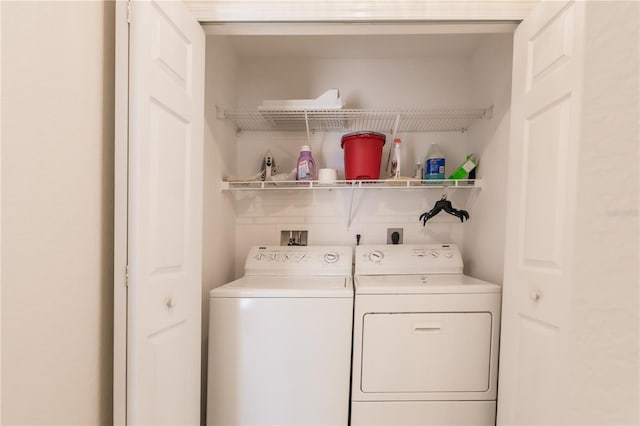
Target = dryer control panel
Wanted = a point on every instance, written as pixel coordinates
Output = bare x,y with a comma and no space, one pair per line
408,259
299,260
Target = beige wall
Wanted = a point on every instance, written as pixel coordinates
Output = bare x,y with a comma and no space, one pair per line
604,366
57,204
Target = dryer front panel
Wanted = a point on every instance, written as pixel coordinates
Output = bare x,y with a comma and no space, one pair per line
426,352
425,347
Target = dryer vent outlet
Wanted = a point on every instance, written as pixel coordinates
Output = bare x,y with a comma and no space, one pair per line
394,235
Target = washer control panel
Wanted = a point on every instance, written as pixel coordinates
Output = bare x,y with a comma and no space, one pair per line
408,259
299,260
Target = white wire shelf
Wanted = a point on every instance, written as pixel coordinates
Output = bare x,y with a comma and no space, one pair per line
352,184
358,120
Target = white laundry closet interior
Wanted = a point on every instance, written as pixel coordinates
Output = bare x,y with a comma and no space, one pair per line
422,70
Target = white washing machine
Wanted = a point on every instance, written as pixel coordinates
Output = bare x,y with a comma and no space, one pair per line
426,336
280,339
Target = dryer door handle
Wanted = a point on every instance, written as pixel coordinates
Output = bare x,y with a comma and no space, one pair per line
427,328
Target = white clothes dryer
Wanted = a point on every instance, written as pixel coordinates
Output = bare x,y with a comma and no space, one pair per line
425,339
280,339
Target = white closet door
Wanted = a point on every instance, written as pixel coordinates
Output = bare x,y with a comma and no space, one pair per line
546,99
166,92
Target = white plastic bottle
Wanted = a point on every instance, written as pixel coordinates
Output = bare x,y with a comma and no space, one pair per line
434,164
395,164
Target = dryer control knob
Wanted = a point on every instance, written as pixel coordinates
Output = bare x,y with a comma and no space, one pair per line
331,257
434,253
376,256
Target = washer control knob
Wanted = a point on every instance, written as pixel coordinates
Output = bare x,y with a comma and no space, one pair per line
331,257
434,253
260,256
376,256
448,254
170,303
535,295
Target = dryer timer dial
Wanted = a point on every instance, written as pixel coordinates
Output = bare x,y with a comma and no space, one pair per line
331,257
376,256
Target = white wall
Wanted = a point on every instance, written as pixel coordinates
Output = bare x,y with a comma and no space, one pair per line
604,361
489,140
420,82
57,212
219,160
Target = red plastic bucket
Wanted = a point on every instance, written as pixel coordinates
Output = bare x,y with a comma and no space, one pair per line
362,155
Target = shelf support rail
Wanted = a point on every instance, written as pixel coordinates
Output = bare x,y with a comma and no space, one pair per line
306,122
353,193
394,131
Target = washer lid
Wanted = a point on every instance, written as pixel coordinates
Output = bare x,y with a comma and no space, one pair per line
423,284
289,286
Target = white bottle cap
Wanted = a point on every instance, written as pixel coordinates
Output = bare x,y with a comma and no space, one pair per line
305,148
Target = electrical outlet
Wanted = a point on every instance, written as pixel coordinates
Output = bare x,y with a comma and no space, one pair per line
293,238
390,235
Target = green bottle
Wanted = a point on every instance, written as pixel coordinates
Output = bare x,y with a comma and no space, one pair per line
461,172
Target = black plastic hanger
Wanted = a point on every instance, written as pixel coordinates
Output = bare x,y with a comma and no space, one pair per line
443,205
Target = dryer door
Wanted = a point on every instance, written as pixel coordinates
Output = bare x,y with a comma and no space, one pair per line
426,352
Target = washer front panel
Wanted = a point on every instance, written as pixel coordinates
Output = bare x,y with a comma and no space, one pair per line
275,361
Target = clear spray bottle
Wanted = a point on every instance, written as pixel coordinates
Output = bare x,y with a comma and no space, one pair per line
395,163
